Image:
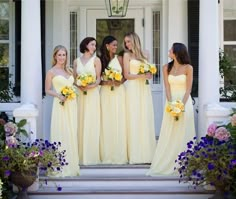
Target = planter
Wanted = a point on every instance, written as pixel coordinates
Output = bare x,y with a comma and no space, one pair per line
23,181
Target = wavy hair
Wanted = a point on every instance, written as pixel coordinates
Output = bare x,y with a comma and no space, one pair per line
136,46
54,61
181,53
104,53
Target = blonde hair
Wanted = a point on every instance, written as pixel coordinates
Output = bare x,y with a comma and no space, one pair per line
136,46
54,61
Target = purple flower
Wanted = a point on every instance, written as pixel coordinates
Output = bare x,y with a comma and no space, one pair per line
233,162
7,173
211,166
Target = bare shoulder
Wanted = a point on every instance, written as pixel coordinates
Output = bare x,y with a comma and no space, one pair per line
126,55
165,67
97,61
189,68
50,72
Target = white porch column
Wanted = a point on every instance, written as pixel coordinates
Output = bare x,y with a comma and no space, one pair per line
208,92
31,65
177,22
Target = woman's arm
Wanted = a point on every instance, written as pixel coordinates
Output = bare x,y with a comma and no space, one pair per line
75,72
189,82
128,76
166,83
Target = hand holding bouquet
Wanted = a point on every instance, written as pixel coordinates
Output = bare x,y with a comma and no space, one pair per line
85,79
146,67
175,108
113,75
68,92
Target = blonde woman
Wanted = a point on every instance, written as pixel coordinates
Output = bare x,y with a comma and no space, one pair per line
88,103
139,105
64,117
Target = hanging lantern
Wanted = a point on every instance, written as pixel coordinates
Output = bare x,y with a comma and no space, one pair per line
116,8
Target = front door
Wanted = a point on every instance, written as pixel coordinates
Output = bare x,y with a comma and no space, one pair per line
99,25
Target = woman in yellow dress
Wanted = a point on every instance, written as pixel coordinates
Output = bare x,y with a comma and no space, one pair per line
64,117
88,102
113,141
139,105
174,135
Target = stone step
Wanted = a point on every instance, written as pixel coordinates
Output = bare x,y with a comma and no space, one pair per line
107,170
139,192
116,182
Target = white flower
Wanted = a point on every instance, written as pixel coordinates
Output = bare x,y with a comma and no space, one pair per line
0,188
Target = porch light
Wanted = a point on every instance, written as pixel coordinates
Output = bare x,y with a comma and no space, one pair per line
116,8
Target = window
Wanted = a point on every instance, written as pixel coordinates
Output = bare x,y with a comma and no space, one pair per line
228,89
73,37
6,74
156,45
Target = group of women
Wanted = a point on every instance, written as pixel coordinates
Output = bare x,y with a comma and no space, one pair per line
116,126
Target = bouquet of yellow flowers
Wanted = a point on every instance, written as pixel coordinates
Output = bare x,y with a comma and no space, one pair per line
175,108
146,67
85,79
113,75
68,92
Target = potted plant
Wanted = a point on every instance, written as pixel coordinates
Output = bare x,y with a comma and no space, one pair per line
19,161
212,160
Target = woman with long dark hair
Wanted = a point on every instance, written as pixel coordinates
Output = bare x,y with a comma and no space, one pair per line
113,139
177,127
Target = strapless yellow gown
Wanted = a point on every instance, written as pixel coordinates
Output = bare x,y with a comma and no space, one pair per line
140,119
174,135
88,119
64,126
113,141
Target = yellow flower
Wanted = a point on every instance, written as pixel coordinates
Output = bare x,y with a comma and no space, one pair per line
168,109
153,69
118,76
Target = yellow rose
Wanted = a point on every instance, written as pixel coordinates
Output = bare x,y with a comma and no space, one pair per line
118,76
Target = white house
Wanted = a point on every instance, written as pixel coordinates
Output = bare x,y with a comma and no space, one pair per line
30,29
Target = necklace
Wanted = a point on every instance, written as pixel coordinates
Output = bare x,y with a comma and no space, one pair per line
175,70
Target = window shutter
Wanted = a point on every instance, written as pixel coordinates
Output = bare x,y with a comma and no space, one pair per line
193,41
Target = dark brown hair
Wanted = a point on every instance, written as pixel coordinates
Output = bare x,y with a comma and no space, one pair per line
181,53
105,56
84,43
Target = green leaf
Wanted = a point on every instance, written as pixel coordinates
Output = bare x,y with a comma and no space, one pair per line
24,132
22,123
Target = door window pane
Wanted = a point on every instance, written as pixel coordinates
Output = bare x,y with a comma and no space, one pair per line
229,30
115,27
156,45
4,55
4,29
4,10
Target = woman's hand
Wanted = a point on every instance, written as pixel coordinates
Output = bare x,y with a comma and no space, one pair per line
148,75
61,98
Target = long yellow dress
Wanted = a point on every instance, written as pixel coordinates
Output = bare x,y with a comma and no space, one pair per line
140,119
113,141
174,135
64,126
89,118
